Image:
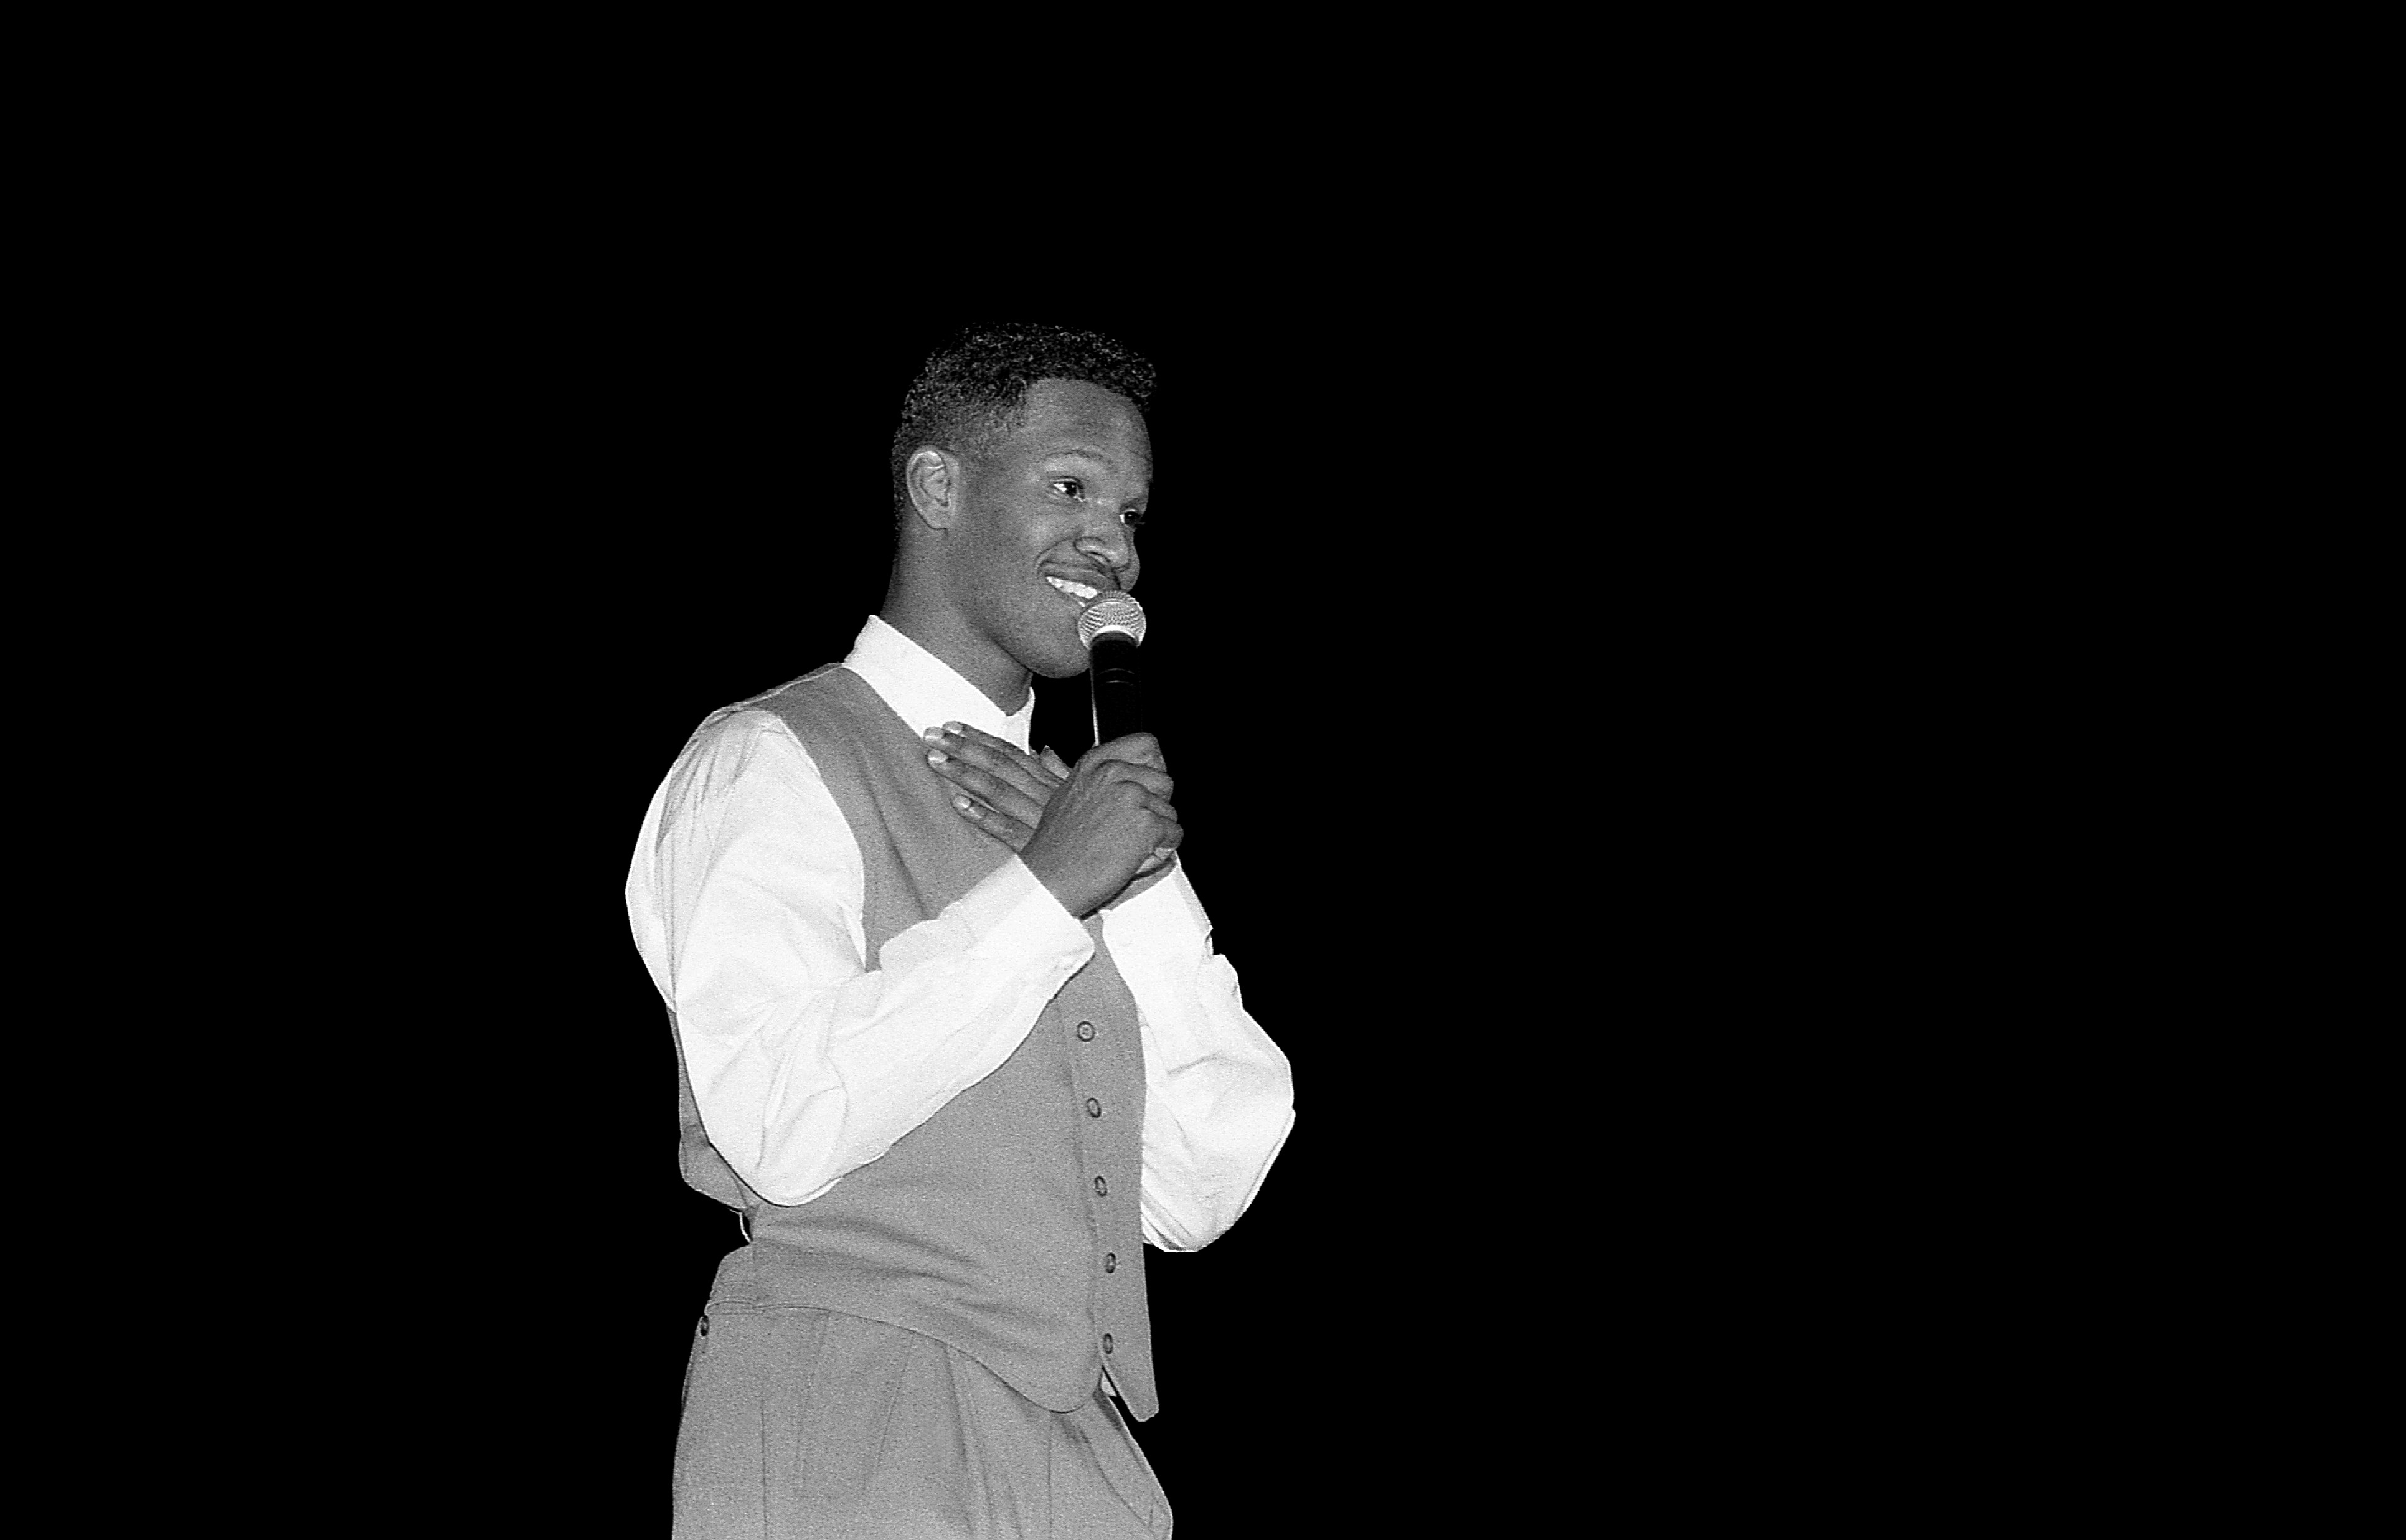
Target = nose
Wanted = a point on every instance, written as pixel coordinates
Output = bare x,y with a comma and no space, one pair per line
1114,551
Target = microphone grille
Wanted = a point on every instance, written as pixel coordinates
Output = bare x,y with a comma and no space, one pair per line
1111,612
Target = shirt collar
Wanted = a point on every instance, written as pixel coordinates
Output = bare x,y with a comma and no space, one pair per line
924,691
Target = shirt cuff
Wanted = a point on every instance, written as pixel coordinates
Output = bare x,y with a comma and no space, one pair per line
1165,921
1012,914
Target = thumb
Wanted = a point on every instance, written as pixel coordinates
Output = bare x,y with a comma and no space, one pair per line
1053,763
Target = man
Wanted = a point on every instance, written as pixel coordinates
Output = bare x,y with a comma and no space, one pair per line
951,1035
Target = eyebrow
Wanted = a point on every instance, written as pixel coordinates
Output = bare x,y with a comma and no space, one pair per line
1059,451
1064,451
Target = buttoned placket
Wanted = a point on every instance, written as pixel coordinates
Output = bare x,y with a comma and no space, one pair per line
1093,1110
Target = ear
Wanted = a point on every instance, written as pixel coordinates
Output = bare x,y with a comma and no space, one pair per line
934,479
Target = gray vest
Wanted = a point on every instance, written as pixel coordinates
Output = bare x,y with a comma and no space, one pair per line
1006,1225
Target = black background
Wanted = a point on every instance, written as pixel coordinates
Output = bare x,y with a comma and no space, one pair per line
705,513
1524,645
1517,717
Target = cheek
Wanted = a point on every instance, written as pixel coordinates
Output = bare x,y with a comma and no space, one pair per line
991,538
1005,553
1044,535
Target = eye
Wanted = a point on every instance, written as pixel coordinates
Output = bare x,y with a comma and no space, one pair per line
1076,487
1133,517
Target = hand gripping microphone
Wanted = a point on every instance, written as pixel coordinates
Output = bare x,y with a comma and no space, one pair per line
1112,627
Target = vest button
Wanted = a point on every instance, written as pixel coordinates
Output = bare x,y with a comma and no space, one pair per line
1086,1032
1093,1107
1110,1265
1107,1342
1102,1188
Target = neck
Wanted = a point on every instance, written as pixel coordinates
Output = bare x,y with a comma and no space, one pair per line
996,674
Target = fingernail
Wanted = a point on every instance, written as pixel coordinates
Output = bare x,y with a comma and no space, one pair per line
962,803
932,734
934,757
951,727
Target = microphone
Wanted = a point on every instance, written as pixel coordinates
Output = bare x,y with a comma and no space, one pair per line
1112,627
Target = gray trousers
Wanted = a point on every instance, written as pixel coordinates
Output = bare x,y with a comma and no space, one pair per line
809,1423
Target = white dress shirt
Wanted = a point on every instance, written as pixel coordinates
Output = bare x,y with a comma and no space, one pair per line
808,1061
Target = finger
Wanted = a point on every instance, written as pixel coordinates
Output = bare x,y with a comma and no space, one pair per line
1004,826
1030,783
1053,763
1163,809
1136,748
1006,759
1155,782
987,787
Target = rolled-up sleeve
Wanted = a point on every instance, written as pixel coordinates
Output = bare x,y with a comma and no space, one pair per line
744,895
1219,1094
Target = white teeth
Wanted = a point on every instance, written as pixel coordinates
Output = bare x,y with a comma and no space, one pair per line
1075,590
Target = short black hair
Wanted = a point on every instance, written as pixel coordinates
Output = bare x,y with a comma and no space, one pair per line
973,390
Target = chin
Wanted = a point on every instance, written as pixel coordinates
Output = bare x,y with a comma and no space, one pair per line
1051,649
1054,667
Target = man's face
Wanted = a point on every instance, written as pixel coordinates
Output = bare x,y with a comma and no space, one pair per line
1058,497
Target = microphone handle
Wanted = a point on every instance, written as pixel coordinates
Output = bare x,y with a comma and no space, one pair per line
1111,671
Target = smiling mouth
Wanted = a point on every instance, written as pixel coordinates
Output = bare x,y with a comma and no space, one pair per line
1077,593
